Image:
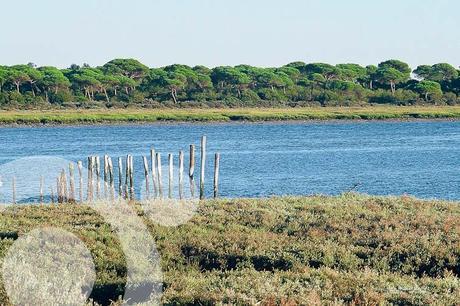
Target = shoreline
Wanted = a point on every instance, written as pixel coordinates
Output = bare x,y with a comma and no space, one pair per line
234,122
122,117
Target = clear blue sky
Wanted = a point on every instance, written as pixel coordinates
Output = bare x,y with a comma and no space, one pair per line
229,32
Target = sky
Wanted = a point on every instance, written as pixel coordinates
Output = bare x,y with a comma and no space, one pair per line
229,32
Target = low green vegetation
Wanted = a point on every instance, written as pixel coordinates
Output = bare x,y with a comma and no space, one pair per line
351,249
227,115
127,82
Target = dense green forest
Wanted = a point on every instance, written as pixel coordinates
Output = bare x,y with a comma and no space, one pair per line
127,82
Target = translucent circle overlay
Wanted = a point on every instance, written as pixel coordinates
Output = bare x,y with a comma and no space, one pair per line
144,284
48,266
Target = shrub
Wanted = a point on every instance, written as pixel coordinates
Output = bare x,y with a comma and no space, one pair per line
450,98
61,97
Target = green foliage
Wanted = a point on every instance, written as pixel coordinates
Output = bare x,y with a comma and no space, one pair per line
122,82
399,97
437,73
16,97
450,98
61,97
398,65
130,68
429,89
3,76
353,73
390,76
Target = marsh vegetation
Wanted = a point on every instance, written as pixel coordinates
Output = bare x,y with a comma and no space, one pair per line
351,249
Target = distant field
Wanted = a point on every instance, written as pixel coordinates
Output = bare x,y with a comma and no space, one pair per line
225,115
351,249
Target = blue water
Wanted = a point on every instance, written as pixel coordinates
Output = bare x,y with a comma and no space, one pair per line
383,158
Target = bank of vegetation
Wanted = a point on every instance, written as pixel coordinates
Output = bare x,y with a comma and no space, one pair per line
125,83
127,116
351,249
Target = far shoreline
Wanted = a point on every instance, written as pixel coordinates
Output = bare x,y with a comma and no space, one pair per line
194,116
207,123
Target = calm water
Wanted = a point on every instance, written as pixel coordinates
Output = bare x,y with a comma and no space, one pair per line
417,158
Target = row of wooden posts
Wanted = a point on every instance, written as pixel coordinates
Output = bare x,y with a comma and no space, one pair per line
66,190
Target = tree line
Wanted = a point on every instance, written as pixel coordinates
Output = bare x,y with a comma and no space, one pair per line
126,82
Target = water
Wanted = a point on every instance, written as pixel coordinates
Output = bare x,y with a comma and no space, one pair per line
258,160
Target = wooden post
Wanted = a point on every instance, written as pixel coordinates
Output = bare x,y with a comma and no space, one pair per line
106,178
52,195
203,164
171,176
58,189
127,178
160,179
80,178
65,196
131,177
111,179
89,197
120,177
60,192
181,174
216,175
71,183
154,172
191,172
98,177
14,190
146,174
192,162
42,183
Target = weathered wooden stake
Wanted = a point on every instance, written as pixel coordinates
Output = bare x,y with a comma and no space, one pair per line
127,178
181,174
216,175
154,172
89,197
106,176
14,190
111,179
120,177
80,178
131,177
203,164
191,172
171,175
98,177
52,195
58,189
160,179
42,183
71,183
65,196
146,174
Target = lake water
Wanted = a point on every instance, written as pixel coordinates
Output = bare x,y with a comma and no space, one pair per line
258,160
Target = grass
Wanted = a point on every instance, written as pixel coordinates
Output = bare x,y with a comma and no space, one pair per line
352,249
226,115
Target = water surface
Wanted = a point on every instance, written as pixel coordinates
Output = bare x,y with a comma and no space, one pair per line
382,158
